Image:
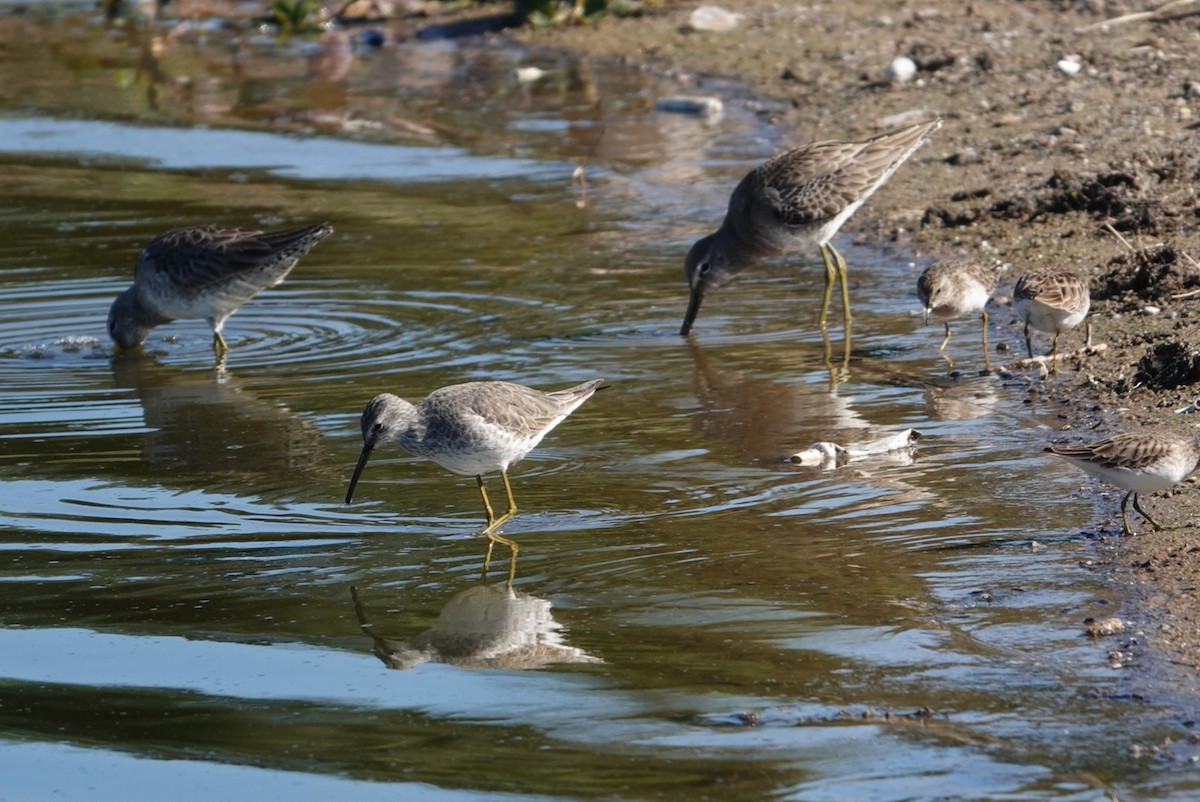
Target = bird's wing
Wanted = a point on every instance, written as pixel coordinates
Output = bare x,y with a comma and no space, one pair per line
202,256
1131,453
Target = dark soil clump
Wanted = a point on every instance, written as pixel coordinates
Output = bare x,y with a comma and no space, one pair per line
1151,274
1167,366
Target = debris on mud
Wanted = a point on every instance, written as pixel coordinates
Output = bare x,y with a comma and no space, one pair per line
1150,274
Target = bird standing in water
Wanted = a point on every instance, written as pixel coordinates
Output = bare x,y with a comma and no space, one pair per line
471,429
798,199
205,272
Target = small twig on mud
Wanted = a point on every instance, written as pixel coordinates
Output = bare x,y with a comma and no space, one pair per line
1108,227
1165,11
1043,362
1190,293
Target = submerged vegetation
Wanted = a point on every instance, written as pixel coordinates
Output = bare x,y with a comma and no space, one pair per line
296,16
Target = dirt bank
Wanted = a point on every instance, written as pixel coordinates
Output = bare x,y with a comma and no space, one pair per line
1038,163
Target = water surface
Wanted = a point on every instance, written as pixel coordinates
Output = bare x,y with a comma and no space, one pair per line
692,614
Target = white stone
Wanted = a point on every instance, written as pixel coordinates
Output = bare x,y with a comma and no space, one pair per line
1068,66
714,18
900,70
527,75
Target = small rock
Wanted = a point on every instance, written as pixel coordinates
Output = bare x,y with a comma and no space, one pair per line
1150,310
527,75
699,105
1068,66
1103,627
900,70
714,18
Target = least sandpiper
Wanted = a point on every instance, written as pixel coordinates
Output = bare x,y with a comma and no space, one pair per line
957,288
1136,462
471,429
798,199
1053,301
205,272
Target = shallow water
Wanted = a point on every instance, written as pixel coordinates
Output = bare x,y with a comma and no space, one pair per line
692,615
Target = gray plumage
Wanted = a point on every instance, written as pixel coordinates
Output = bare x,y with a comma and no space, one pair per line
1137,462
471,429
204,272
799,198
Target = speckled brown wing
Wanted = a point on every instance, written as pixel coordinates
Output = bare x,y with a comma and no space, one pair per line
1057,288
198,258
1132,452
816,182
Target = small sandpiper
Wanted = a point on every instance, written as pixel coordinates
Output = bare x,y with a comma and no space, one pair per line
205,272
1053,301
957,288
1136,462
798,199
471,429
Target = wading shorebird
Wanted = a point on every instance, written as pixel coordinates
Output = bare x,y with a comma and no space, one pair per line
957,288
205,272
1053,301
1136,462
798,199
471,429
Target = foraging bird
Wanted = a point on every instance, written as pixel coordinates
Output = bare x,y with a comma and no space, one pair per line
957,288
800,198
1053,301
1136,462
205,272
471,429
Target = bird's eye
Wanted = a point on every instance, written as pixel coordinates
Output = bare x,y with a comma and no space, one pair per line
704,266
378,427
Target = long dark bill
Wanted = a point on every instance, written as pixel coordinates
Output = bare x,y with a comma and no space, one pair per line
358,469
693,309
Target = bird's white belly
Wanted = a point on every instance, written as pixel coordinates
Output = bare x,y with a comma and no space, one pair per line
1046,318
974,299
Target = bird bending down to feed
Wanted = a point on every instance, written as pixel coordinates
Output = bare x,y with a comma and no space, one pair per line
800,198
1136,462
957,288
471,429
205,272
1053,301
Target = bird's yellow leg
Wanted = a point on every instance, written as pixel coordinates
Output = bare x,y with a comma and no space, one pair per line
942,350
843,274
495,523
1145,514
1028,342
219,344
1054,356
513,548
987,359
487,505
1125,518
830,278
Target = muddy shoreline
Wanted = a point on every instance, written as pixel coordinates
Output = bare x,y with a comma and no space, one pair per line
1094,170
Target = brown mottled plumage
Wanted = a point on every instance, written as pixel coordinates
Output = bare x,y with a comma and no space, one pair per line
205,272
1053,301
471,429
796,199
1137,462
957,288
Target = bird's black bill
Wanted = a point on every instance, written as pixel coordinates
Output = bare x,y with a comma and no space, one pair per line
358,469
692,310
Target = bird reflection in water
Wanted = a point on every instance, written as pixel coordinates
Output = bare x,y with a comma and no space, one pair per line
763,418
485,626
203,421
